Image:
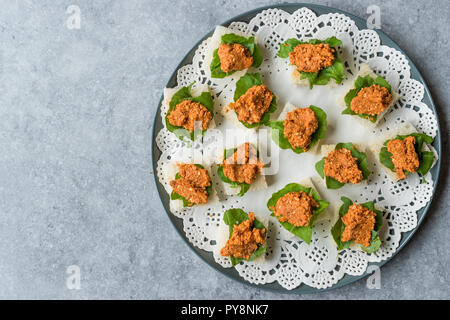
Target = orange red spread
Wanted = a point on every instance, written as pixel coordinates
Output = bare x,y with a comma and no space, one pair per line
251,106
295,208
234,57
188,114
312,57
192,183
404,155
299,126
371,100
359,223
243,166
342,166
244,240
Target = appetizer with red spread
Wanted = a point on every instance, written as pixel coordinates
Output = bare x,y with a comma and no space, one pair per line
297,207
301,129
315,62
359,224
342,164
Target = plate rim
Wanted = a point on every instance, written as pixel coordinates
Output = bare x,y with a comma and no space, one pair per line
302,288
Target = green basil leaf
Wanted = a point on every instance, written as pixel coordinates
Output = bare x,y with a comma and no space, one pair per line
332,183
319,167
375,243
287,47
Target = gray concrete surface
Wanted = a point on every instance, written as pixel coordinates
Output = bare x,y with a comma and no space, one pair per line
76,113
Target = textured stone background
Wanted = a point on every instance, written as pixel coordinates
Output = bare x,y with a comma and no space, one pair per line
77,108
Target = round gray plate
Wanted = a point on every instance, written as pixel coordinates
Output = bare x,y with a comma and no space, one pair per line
158,125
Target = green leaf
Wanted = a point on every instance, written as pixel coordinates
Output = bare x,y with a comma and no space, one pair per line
332,183
346,203
205,99
231,38
319,167
339,227
257,57
335,71
287,47
310,76
363,82
280,139
176,196
242,85
425,162
246,82
375,243
336,232
386,158
234,217
304,233
426,158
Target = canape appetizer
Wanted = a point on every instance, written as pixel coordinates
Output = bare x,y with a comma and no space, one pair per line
253,102
190,111
190,185
341,164
369,98
358,224
297,207
245,237
315,62
404,151
299,129
232,52
240,170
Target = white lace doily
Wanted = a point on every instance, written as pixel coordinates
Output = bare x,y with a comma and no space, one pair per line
290,261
